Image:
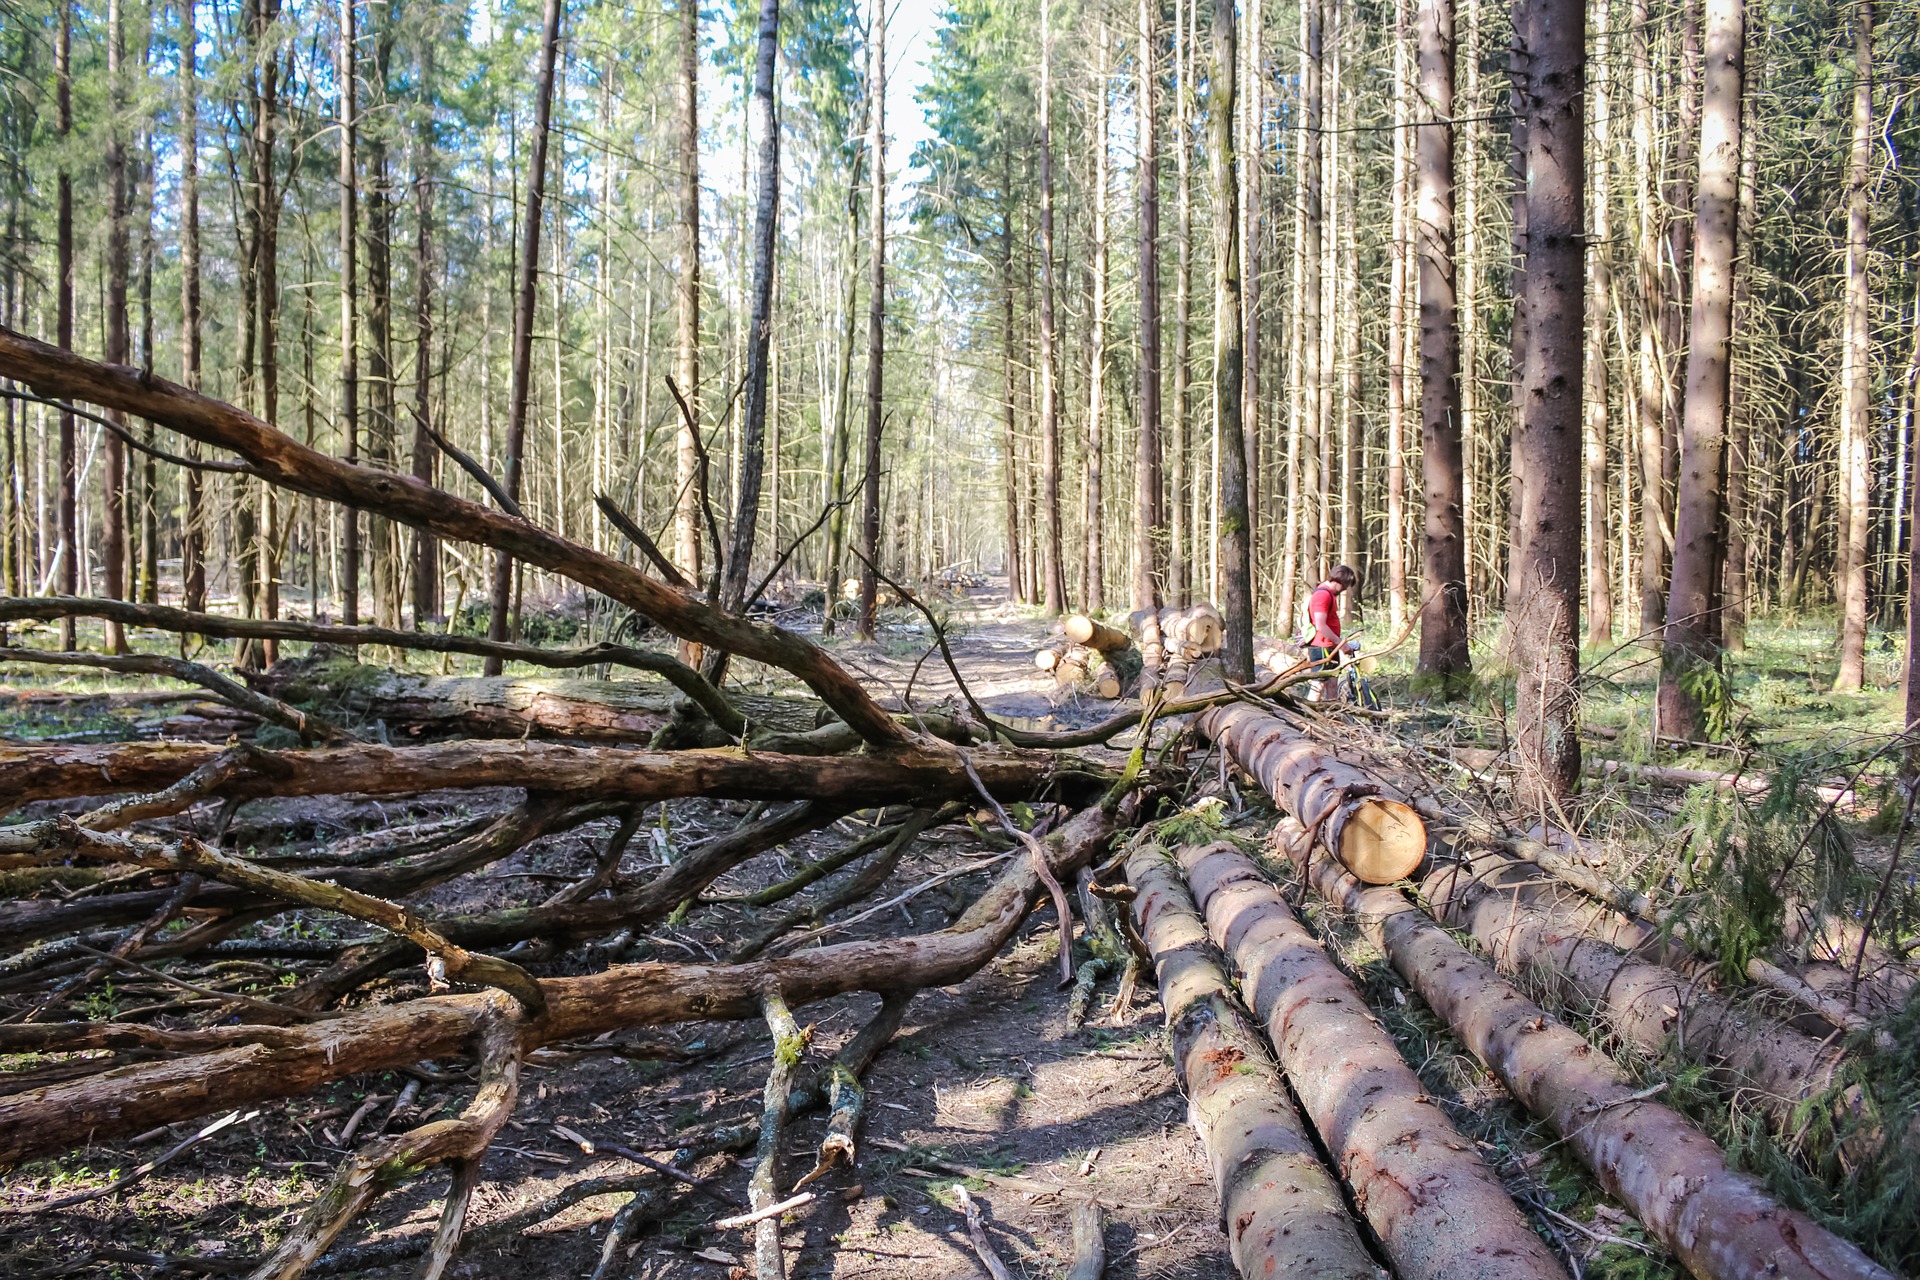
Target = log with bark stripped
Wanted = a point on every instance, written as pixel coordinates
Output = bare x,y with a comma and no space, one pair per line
1360,818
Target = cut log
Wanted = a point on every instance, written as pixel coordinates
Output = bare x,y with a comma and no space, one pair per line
1048,659
280,1062
1359,818
1650,1006
1145,625
1439,1211
1283,1212
1719,1223
1096,635
1196,630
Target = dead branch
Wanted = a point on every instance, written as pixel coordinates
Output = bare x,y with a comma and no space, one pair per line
309,727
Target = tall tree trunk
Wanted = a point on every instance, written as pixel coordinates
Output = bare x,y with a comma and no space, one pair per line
1475,494
1312,374
1181,541
1328,318
1396,533
876,318
349,305
426,548
266,310
113,453
1856,366
1093,594
1688,643
1599,318
193,562
686,520
147,579
1736,584
1009,361
1656,529
1443,592
382,442
501,598
1148,508
66,507
1544,601
1054,596
1519,80
765,130
1253,207
839,442
1235,538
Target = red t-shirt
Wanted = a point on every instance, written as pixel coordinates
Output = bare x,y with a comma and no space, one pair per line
1323,611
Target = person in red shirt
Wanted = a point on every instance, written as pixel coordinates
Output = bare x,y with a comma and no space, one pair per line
1323,623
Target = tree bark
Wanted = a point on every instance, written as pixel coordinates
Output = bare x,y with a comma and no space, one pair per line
426,549
66,506
1856,372
193,564
1599,320
1656,529
1181,540
501,599
1544,597
113,453
1285,1216
349,306
1149,508
1443,604
1414,1176
1688,642
764,127
1054,591
1235,546
1397,282
1670,1175
876,318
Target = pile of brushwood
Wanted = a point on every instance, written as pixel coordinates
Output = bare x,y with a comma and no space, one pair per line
1723,1031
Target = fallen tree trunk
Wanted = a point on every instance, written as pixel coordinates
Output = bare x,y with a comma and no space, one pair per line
1440,1212
1721,1224
1284,1214
509,706
1649,1005
1096,635
1372,830
30,773
279,459
287,1061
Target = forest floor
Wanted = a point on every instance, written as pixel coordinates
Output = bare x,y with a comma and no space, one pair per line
984,1076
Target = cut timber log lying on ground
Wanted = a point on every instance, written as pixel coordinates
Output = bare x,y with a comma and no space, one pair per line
253,1064
1722,1225
1171,641
1372,830
1835,793
1284,1215
1649,1005
1440,1212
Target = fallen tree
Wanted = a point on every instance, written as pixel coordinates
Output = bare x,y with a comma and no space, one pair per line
1440,1212
1721,1224
1284,1214
1368,825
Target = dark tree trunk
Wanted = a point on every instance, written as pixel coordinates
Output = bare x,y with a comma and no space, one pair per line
1054,593
193,562
764,126
1149,513
503,569
1544,598
1443,602
876,322
69,548
113,452
1235,542
349,307
1688,641
426,548
686,521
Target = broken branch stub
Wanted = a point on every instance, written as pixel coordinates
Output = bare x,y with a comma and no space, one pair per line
1361,820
